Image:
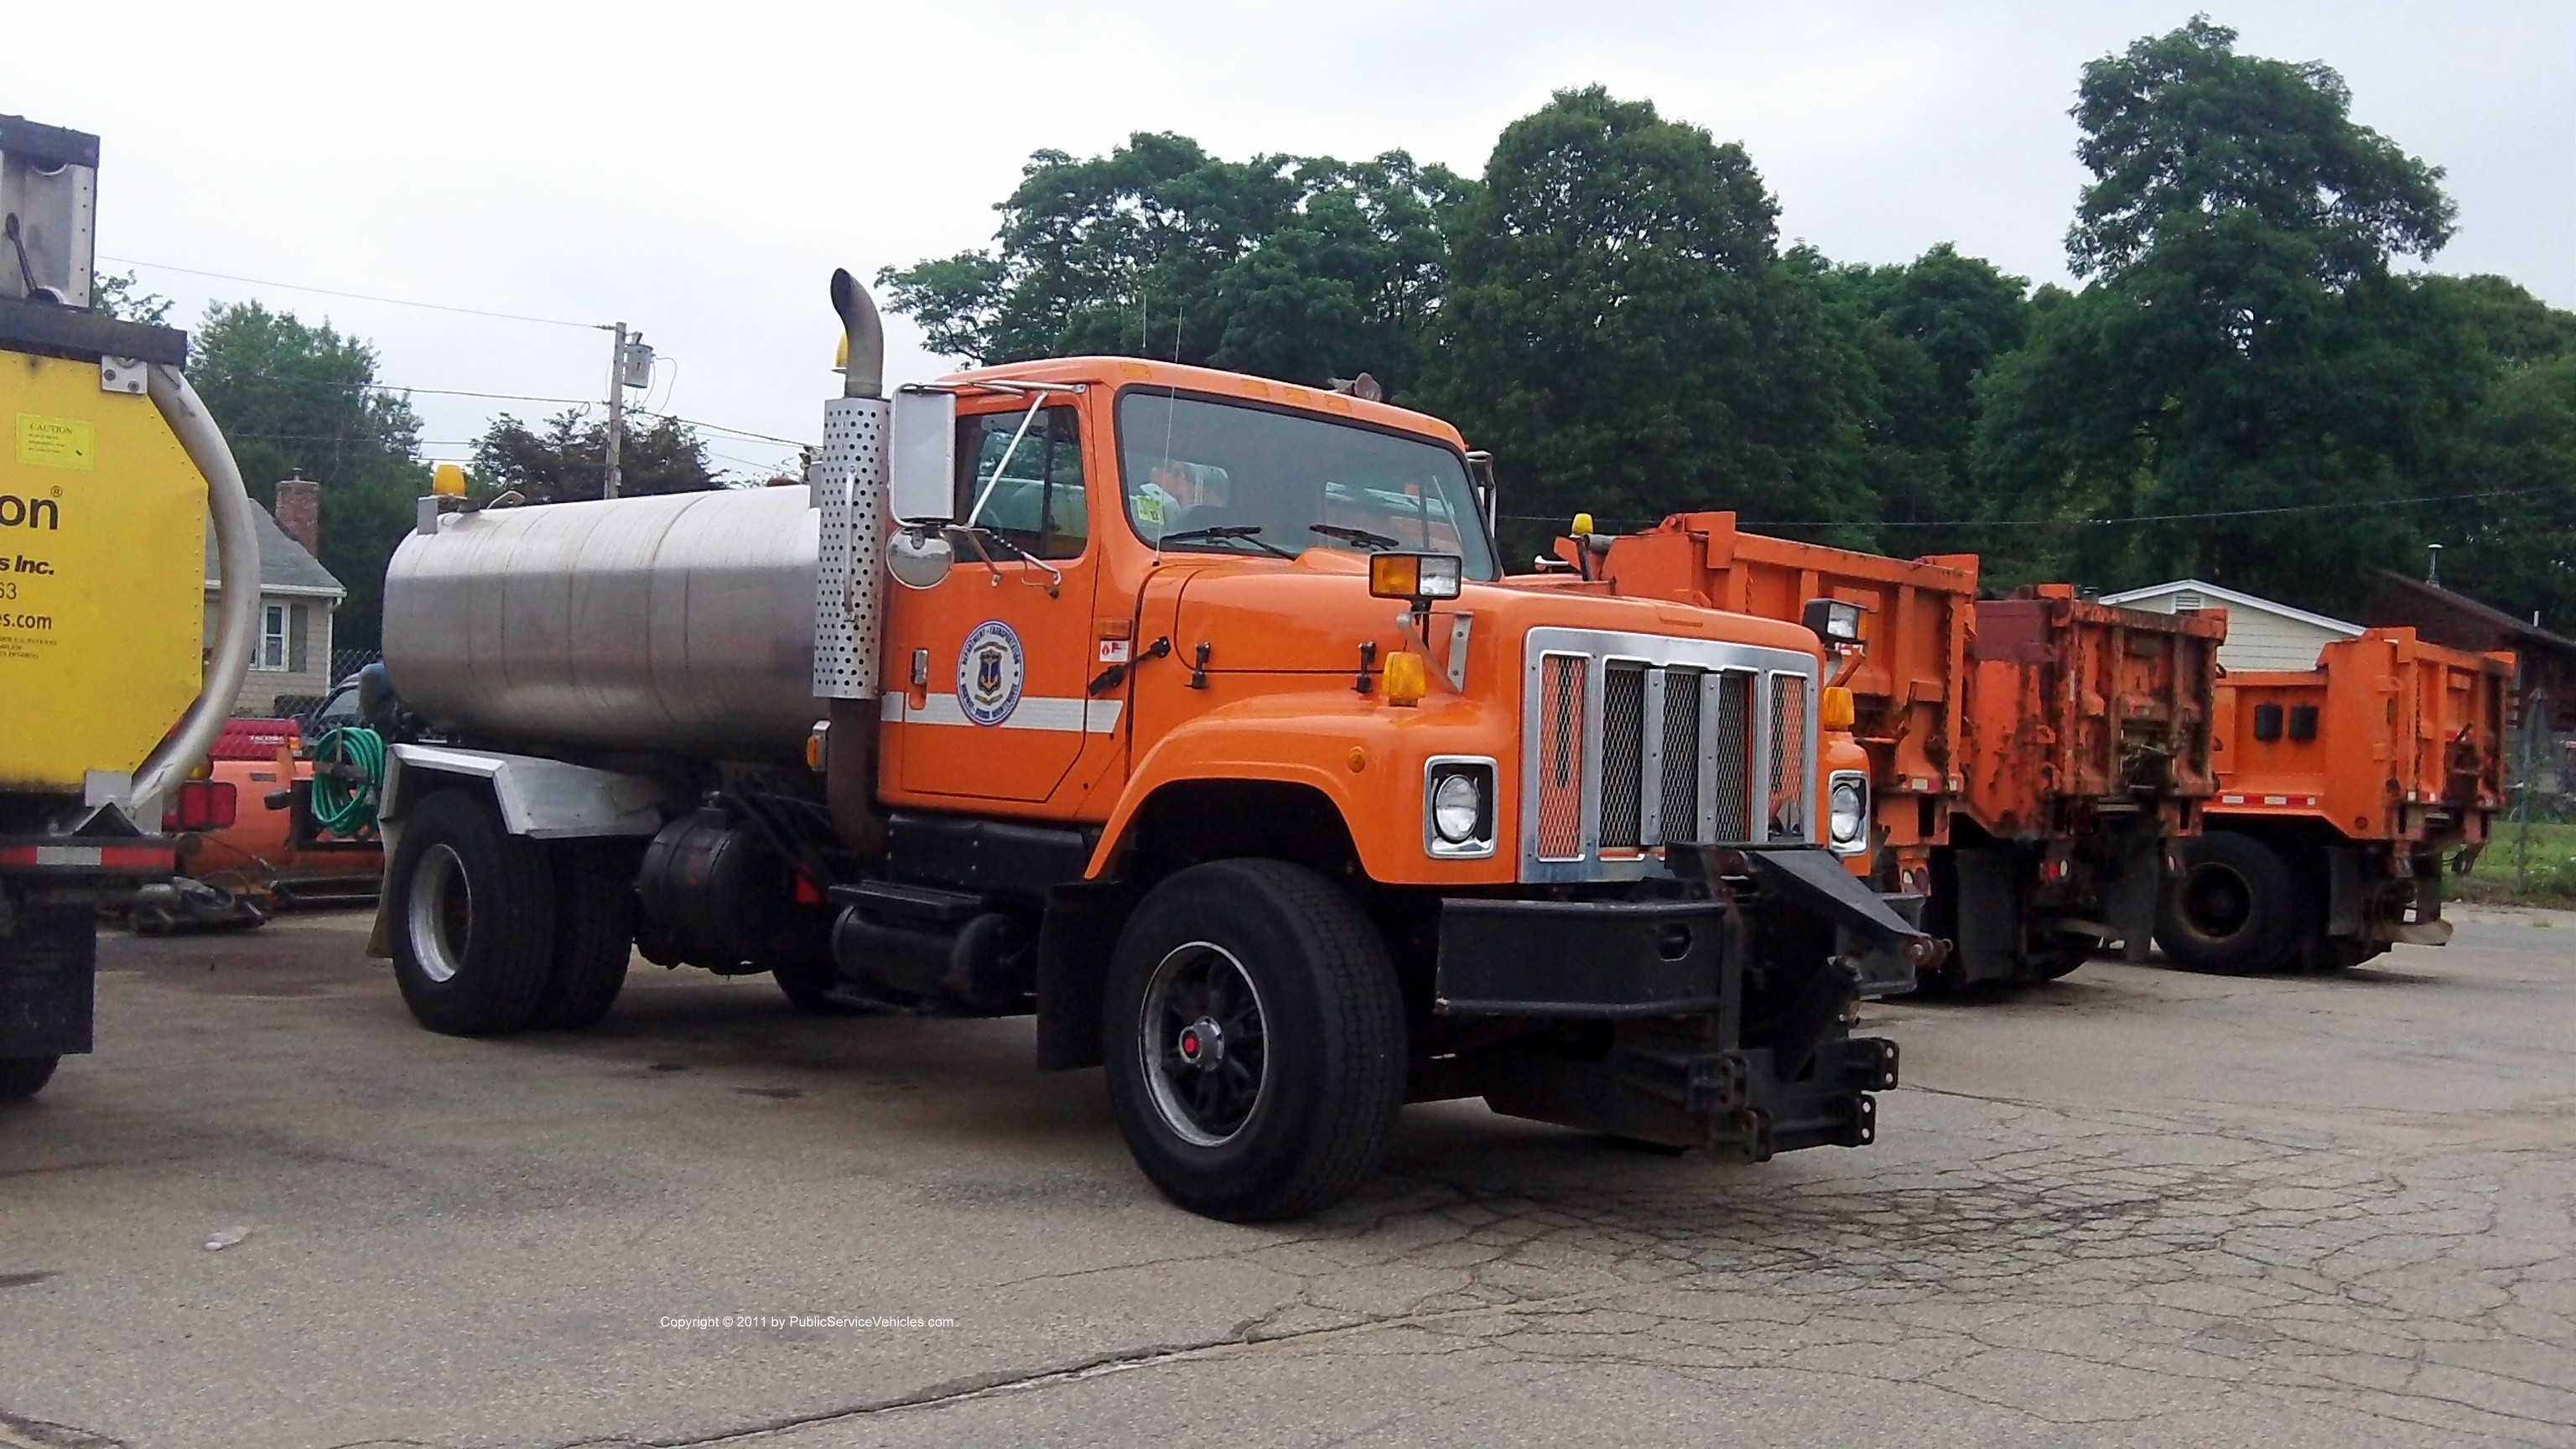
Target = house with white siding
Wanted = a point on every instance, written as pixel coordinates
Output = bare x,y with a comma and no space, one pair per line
291,652
2261,634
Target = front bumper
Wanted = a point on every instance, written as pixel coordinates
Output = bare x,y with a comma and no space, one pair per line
1693,1045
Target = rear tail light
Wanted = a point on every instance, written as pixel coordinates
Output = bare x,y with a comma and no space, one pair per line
202,805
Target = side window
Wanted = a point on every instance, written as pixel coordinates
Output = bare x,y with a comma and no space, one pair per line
1037,501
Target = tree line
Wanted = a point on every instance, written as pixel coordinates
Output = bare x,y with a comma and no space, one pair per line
2248,385
2254,382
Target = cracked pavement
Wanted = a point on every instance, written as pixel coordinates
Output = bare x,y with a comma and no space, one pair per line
2136,1206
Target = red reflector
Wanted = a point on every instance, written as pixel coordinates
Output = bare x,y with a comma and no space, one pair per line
808,893
149,859
203,805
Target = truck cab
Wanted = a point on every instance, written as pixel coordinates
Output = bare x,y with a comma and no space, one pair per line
1190,712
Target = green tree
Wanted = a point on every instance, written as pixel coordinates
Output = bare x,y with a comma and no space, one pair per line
2242,345
2516,549
121,296
566,457
1931,329
293,398
1621,330
1297,268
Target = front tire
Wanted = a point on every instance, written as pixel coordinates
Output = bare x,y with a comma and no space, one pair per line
24,1077
473,912
2234,909
1256,1044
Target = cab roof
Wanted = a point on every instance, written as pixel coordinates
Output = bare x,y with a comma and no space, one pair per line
1115,372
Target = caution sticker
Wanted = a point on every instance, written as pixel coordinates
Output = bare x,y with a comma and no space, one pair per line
45,442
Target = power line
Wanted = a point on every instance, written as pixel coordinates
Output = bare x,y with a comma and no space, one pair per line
358,296
2063,522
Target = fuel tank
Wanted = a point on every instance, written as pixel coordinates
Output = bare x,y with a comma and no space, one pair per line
681,623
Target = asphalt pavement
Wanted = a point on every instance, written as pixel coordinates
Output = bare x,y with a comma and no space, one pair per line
2137,1206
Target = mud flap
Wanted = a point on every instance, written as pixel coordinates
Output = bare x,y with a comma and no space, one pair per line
1989,909
2137,885
48,980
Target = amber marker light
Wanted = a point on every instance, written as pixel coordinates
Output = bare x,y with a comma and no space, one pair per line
1406,679
1834,708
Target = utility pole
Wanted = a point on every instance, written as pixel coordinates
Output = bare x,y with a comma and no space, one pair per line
616,410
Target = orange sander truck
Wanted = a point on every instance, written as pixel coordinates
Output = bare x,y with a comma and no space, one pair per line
1185,711
2031,758
2341,790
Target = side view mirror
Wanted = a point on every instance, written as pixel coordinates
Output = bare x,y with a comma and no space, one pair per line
921,457
919,558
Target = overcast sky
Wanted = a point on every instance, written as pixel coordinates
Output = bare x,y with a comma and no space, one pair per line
697,171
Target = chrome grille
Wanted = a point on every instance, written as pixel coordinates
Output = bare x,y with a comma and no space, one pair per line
1677,813
1623,756
1638,741
1791,784
1730,759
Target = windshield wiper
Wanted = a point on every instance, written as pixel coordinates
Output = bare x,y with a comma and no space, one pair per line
1358,536
1228,533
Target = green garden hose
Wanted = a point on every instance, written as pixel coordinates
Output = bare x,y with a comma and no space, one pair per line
348,775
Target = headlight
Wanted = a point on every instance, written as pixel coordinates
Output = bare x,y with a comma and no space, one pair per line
1456,807
1847,812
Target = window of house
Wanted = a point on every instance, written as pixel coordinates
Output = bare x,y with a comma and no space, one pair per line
1037,501
272,638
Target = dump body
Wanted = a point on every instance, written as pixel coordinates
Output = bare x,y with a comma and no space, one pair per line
2387,739
2078,709
2341,790
1905,677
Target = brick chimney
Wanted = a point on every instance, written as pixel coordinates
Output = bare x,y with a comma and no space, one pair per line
299,512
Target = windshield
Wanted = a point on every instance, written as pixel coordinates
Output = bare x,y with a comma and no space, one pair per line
1229,478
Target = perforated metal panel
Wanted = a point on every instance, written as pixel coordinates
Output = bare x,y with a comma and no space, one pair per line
1790,782
849,484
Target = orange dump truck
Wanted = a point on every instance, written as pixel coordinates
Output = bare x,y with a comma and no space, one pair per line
2341,788
2029,758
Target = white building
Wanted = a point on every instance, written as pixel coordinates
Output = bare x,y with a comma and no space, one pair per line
2261,634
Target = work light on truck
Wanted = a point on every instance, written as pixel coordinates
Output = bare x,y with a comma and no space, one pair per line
1419,577
1833,621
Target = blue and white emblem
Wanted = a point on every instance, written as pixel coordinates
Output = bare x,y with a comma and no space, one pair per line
989,669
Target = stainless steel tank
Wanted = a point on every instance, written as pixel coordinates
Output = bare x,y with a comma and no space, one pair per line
682,623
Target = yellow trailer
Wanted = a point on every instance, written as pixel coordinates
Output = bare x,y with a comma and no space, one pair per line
110,472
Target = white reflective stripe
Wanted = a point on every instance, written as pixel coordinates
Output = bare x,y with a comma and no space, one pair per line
67,855
1035,712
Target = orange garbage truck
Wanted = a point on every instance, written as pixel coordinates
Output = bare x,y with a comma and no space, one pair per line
2341,790
2029,758
1186,711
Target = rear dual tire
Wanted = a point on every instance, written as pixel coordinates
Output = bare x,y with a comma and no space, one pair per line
1255,1040
495,933
2234,910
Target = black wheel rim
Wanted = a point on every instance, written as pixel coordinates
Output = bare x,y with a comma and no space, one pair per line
2216,901
1203,1043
